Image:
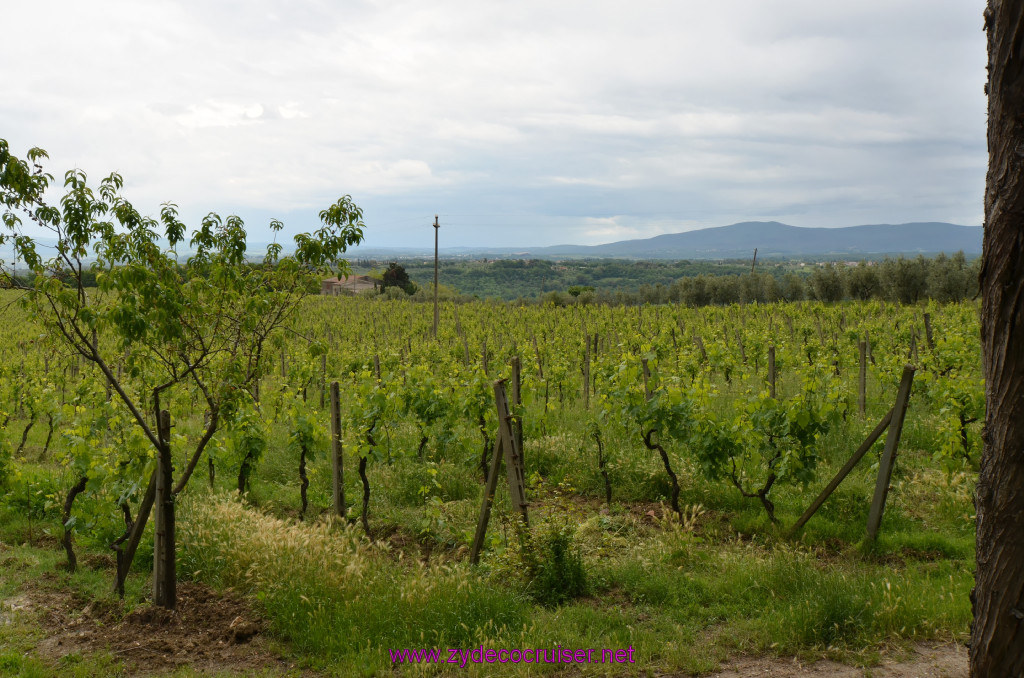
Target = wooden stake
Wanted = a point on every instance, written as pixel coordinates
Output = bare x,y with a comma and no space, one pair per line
928,331
517,419
843,472
323,379
485,507
888,460
862,378
516,483
337,454
586,372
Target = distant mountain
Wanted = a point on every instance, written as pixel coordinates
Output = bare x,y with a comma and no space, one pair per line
771,238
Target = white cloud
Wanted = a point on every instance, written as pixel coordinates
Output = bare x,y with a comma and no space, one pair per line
830,113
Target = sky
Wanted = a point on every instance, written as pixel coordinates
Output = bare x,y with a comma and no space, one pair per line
522,123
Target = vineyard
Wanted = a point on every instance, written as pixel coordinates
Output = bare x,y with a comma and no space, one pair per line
666,454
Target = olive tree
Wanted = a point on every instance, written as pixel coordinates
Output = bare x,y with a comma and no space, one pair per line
194,321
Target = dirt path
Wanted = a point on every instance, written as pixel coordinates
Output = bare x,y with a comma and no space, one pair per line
209,632
928,661
212,632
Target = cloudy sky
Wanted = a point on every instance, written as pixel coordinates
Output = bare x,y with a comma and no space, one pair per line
519,123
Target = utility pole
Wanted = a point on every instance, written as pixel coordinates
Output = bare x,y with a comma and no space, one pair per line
436,227
754,262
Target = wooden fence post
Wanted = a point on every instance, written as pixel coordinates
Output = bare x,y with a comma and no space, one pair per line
892,441
771,371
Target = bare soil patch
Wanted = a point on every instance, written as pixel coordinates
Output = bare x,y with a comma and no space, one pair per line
209,632
945,660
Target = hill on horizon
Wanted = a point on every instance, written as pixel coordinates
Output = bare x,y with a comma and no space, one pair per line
771,238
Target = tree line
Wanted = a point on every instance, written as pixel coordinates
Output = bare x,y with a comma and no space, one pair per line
904,280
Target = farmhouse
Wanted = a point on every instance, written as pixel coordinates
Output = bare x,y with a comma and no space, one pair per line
353,284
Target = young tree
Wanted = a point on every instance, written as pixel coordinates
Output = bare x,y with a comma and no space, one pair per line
195,326
997,636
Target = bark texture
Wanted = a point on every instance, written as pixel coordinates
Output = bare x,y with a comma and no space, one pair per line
997,637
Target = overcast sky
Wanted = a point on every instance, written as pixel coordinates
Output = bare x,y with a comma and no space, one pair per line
519,123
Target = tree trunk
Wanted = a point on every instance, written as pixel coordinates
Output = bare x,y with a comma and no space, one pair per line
997,636
164,577
66,541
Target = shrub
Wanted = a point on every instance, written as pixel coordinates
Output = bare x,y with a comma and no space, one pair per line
556,567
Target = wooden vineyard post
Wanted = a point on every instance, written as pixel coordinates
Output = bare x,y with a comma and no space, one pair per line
164,576
843,472
536,351
485,507
647,378
516,483
586,372
483,358
376,365
771,371
892,441
862,378
284,370
928,331
700,345
505,448
517,404
337,458
323,379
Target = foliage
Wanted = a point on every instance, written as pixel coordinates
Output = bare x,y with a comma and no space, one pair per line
395,276
201,324
556,570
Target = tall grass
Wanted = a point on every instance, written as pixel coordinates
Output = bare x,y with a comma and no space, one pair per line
332,594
